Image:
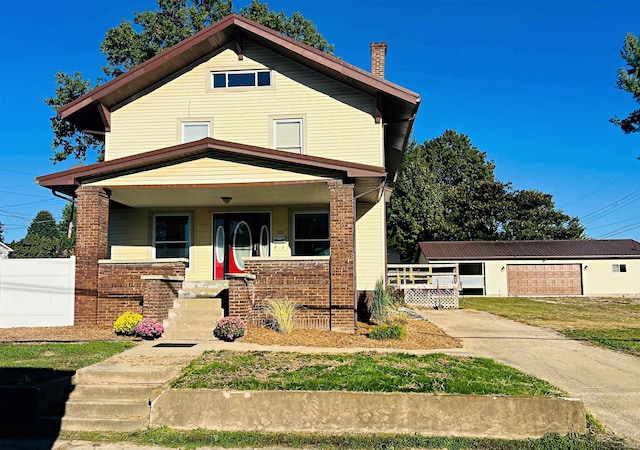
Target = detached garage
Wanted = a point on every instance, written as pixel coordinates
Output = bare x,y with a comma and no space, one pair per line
545,268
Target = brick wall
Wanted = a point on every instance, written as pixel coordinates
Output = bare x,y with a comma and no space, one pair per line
121,288
159,295
342,265
303,281
91,245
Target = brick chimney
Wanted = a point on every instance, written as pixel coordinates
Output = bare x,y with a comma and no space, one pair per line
378,53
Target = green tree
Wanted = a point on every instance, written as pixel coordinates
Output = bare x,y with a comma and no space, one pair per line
629,81
533,215
131,43
43,239
1,232
416,207
446,190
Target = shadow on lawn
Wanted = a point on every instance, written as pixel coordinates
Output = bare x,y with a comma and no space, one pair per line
32,405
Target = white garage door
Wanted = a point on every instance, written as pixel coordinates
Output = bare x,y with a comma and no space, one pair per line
544,279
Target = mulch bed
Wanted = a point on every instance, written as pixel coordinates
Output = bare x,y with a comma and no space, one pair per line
422,335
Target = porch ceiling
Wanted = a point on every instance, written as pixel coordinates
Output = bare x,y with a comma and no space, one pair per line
241,195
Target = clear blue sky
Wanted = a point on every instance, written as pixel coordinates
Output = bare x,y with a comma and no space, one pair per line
532,82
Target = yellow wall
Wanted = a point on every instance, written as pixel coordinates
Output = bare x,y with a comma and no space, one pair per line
130,235
339,120
370,245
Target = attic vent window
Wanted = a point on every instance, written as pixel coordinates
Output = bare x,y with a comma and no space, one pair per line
619,267
252,78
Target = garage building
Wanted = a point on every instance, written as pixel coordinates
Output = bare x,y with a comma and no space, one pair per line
511,268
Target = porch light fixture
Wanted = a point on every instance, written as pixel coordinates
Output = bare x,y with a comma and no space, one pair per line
226,200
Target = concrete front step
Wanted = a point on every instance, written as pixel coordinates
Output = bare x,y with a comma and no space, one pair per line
208,292
182,323
186,334
198,303
191,314
125,374
103,424
221,284
115,392
112,409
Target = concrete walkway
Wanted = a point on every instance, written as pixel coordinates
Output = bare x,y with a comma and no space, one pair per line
606,381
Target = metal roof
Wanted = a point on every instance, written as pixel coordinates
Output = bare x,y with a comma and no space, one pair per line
559,249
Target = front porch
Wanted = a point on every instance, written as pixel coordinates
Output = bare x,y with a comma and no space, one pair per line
258,269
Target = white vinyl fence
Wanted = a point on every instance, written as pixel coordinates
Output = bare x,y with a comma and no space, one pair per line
36,292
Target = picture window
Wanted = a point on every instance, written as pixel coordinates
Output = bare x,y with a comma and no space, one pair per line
253,78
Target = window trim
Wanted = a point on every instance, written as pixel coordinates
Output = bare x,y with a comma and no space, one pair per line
192,120
226,74
274,134
293,229
189,215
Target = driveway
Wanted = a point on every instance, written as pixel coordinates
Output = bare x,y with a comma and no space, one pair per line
606,381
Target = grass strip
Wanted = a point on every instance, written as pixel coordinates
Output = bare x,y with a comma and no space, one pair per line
361,372
228,439
626,340
608,322
27,364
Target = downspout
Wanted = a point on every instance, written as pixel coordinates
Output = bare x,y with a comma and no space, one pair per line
71,200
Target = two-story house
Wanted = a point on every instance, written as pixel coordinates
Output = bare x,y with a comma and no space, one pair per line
238,153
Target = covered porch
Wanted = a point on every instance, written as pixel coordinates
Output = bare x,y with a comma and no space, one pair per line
282,230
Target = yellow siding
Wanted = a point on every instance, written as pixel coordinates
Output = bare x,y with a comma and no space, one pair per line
280,228
339,121
205,171
201,267
370,245
129,234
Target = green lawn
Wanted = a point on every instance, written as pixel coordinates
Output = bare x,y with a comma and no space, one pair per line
28,364
363,372
608,322
193,439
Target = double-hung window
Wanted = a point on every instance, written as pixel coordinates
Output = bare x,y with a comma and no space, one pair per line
311,233
193,131
250,78
171,235
287,135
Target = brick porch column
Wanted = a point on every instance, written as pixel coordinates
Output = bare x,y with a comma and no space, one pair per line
342,263
91,245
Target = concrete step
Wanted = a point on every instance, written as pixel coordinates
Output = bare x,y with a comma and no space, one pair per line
208,292
198,303
193,313
223,284
181,323
186,334
125,374
108,409
115,392
93,424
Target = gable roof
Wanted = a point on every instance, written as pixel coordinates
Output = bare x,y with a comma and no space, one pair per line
560,249
398,106
5,247
68,180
